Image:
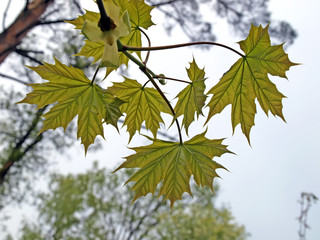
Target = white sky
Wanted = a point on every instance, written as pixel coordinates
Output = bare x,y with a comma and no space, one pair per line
265,180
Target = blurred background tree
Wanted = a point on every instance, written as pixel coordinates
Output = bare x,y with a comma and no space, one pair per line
94,205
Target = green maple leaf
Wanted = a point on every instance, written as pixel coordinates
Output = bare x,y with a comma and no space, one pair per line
89,15
92,49
140,17
172,164
192,98
75,95
141,104
248,79
139,12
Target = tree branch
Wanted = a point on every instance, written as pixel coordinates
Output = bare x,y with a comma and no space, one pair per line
5,15
28,18
18,152
12,78
164,3
25,54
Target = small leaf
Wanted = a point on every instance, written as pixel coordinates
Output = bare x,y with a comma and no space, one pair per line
139,12
92,49
75,95
191,98
79,21
140,17
248,80
173,163
141,104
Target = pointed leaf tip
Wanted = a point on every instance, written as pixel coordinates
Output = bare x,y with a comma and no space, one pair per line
191,99
74,95
247,80
172,164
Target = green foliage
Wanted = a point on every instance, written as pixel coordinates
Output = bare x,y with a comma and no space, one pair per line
170,163
95,205
141,104
199,222
75,95
248,79
140,17
192,98
173,163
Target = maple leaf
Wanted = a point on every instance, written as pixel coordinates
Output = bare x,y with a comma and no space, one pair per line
92,49
173,163
139,12
75,95
248,80
191,98
141,104
79,21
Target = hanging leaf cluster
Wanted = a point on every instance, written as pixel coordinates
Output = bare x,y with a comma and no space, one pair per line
142,103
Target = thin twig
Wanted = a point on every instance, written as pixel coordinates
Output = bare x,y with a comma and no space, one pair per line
25,54
26,6
173,79
12,78
5,15
95,74
165,3
53,21
149,45
150,77
130,48
77,4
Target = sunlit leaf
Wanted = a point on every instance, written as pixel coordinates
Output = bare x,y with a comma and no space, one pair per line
172,164
75,95
248,80
139,12
89,15
92,49
142,104
192,98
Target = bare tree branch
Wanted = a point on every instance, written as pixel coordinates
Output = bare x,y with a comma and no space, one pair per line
13,35
24,53
164,3
18,152
5,15
12,78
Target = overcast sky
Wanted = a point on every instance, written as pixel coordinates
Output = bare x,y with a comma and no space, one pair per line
265,180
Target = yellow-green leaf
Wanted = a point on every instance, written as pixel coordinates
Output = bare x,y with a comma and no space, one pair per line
248,80
172,164
75,95
92,49
142,104
140,17
192,98
139,12
89,15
